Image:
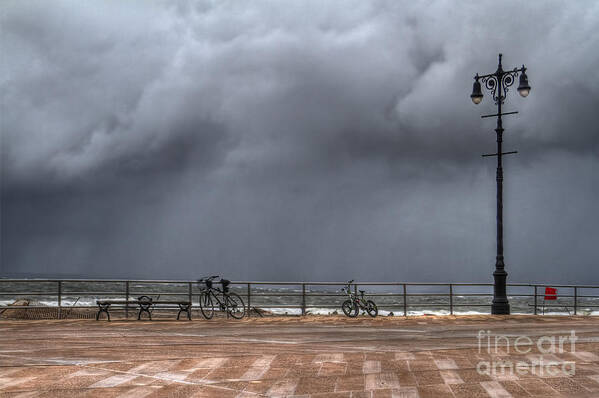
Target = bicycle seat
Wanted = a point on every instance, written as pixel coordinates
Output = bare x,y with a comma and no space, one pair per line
361,291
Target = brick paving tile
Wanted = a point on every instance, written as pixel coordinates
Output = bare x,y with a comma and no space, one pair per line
180,391
260,386
382,393
334,357
370,366
331,395
586,356
495,389
474,390
396,366
405,392
139,392
472,376
423,355
202,392
388,365
404,356
282,387
446,364
435,391
284,360
565,385
361,394
407,379
43,381
350,383
537,387
379,356
310,385
198,375
108,393
303,359
515,389
506,375
429,377
332,369
226,373
119,365
275,373
354,356
464,363
586,369
355,368
304,370
381,381
236,385
420,365
451,377
591,384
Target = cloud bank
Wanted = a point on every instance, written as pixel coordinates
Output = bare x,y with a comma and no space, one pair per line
295,141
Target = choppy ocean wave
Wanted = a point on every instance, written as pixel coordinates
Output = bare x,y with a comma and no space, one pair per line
428,300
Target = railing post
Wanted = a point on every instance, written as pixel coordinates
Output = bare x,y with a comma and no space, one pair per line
535,299
303,299
451,299
127,299
405,301
190,294
575,300
59,299
249,299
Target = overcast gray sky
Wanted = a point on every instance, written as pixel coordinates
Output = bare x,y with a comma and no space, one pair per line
296,140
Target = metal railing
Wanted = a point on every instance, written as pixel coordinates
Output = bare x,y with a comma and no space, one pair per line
399,295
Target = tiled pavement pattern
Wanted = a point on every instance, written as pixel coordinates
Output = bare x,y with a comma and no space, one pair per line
308,357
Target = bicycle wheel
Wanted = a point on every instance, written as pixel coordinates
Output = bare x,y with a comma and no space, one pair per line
235,306
371,308
206,305
349,309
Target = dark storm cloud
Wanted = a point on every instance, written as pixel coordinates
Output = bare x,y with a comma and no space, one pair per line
294,140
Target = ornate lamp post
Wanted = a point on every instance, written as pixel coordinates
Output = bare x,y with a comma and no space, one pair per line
498,83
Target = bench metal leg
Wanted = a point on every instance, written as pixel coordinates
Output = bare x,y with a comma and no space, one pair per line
184,308
144,309
103,308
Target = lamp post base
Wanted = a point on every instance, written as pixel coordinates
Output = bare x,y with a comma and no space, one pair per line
499,308
501,305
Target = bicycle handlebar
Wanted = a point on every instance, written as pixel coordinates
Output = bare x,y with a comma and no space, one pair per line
204,280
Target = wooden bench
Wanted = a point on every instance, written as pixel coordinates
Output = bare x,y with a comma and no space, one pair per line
144,303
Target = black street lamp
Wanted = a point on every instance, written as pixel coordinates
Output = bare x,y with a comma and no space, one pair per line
498,83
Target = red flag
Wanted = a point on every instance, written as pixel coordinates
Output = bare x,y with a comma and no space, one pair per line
550,293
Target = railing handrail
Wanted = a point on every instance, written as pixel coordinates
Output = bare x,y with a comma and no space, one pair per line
130,289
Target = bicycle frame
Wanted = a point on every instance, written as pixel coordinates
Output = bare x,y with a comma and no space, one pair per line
359,300
221,305
209,291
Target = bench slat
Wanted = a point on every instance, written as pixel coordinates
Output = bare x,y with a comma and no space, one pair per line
144,306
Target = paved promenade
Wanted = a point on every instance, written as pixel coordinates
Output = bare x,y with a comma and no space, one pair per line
315,356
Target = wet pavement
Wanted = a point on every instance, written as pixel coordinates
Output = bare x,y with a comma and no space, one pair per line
313,356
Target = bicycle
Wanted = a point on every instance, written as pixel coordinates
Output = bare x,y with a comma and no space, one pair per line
352,307
232,303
